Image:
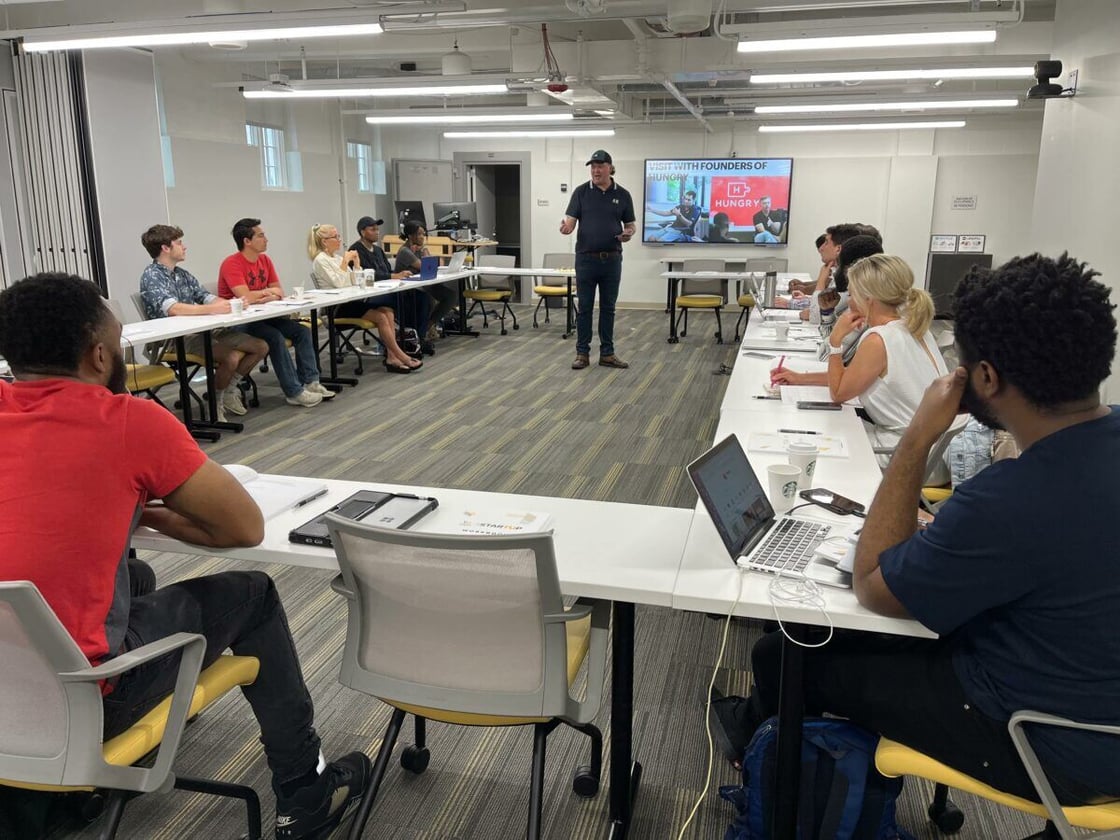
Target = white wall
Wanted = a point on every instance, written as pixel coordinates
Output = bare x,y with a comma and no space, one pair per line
1078,179
896,181
899,181
127,166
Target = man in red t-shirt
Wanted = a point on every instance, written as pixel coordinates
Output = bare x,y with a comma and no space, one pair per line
249,274
82,463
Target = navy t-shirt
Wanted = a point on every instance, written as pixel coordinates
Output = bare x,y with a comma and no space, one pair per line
1021,572
602,215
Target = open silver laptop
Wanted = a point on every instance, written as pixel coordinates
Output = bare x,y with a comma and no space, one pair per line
745,520
457,261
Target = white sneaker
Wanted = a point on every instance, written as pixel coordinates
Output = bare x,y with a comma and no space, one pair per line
322,390
305,398
221,418
231,401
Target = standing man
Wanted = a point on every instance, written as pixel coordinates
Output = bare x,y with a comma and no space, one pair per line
685,216
168,289
605,212
75,441
249,274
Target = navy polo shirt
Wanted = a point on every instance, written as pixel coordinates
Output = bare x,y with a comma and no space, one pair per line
602,215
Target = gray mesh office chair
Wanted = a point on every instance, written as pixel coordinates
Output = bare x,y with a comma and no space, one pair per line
701,294
51,714
469,630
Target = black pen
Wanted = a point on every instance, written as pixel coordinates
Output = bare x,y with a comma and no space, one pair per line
318,494
797,432
764,397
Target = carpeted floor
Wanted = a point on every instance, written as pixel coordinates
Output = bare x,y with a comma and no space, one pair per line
500,413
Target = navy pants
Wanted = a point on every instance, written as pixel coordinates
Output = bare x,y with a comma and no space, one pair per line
594,272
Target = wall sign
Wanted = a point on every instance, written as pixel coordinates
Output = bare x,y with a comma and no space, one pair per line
941,243
964,202
971,243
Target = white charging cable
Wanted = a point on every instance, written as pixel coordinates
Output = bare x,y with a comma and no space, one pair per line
803,592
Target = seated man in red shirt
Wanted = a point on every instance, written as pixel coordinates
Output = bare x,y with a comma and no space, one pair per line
75,441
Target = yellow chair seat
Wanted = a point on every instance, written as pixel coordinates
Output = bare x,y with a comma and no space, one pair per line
148,377
172,358
358,323
894,759
579,640
551,291
145,735
746,301
936,494
699,301
488,294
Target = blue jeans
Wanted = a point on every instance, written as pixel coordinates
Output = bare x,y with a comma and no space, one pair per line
606,275
766,237
292,377
237,610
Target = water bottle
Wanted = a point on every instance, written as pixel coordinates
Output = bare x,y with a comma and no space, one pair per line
770,287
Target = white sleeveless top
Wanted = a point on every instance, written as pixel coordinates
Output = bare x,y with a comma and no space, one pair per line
892,399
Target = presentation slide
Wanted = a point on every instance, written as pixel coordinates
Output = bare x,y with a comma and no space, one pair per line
741,201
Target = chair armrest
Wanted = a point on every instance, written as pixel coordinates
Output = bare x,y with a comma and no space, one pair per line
339,586
582,607
1033,766
158,776
130,659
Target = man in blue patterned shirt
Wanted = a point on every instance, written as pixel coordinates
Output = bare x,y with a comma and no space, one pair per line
168,289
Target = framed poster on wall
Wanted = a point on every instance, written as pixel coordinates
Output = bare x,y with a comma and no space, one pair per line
971,243
943,243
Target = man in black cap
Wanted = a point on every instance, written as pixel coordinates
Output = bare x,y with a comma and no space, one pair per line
605,212
369,252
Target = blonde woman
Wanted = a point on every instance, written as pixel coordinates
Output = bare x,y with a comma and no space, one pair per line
331,270
896,358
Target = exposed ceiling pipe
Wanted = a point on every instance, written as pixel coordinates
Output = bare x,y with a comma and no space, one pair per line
554,13
684,100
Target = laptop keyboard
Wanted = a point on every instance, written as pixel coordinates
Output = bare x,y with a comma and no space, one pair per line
789,546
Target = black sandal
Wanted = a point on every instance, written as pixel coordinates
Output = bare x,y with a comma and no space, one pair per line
392,367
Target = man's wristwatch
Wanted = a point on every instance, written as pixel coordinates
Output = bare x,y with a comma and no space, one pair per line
835,351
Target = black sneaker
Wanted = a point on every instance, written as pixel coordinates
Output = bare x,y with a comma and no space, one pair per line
315,811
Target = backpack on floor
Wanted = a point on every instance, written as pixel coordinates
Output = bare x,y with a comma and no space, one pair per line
843,796
408,340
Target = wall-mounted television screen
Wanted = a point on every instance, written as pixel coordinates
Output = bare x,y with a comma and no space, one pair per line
743,201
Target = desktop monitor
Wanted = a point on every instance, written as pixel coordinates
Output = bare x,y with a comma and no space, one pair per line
454,215
408,211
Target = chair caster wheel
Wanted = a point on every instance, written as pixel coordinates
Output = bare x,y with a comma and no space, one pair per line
517,326
674,341
536,326
255,402
584,782
948,818
415,759
359,371
684,334
505,332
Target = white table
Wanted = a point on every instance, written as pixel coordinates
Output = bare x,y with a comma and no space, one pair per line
709,580
626,553
750,377
759,334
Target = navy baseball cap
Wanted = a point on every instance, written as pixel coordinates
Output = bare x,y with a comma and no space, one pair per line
367,221
599,156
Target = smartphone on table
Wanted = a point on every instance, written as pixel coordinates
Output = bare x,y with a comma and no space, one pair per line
832,501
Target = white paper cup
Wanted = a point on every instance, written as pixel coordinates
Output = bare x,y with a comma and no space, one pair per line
781,331
803,455
297,292
236,306
369,277
783,486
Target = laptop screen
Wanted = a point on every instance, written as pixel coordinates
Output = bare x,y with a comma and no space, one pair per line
428,267
457,260
732,494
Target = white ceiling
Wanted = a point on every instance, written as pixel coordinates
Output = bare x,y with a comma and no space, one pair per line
623,54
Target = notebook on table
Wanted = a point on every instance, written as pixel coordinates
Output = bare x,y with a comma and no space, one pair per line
754,537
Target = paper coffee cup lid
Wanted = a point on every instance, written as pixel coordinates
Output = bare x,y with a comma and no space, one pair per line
802,446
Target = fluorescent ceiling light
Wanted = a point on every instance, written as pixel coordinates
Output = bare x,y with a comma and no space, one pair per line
914,74
854,42
575,132
338,93
468,118
898,126
166,39
848,107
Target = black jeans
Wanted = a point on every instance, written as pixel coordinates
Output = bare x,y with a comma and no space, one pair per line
237,610
594,272
905,689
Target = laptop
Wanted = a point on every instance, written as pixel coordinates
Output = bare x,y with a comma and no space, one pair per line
429,266
745,520
458,260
